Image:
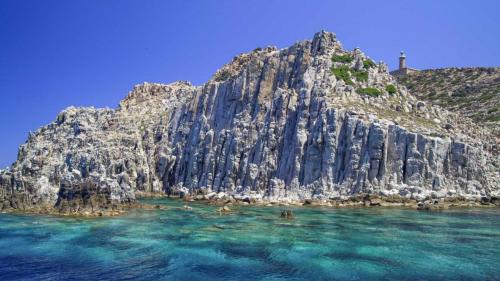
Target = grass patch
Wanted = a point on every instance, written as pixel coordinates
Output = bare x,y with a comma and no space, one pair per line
342,58
372,92
343,73
486,97
360,75
391,89
368,64
495,118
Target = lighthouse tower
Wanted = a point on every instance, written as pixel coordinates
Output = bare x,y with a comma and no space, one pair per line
402,61
403,70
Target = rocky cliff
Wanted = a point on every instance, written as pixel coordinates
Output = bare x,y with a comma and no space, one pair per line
309,121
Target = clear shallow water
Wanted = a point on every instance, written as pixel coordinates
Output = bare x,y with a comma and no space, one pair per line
254,244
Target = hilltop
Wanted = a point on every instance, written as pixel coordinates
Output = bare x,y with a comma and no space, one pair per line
472,92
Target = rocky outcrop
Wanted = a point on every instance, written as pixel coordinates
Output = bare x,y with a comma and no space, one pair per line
309,121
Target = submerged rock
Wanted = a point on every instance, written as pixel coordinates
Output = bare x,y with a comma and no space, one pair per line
287,214
224,209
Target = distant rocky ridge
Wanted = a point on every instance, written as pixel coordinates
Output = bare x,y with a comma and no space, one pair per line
473,92
312,121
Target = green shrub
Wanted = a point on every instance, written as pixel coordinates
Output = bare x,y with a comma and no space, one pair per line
494,118
342,72
360,75
342,58
391,89
368,64
373,92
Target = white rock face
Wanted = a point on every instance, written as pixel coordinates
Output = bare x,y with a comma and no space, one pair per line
272,124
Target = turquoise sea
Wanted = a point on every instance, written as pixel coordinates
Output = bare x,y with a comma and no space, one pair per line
254,243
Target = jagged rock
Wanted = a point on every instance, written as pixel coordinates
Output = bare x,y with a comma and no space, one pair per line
224,209
287,214
375,202
272,125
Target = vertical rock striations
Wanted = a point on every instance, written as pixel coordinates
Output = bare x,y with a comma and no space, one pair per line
308,121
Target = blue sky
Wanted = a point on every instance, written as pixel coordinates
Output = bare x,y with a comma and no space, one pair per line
57,53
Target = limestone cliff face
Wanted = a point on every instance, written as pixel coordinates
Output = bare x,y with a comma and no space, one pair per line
309,121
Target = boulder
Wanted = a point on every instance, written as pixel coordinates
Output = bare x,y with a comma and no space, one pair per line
287,214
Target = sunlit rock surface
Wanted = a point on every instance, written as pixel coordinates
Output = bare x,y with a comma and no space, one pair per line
271,125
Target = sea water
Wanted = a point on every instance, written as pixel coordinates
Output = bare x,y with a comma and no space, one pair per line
254,243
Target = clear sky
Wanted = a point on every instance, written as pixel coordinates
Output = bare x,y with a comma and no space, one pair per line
57,53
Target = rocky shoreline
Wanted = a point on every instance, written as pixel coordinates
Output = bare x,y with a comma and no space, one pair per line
225,202
361,200
116,210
